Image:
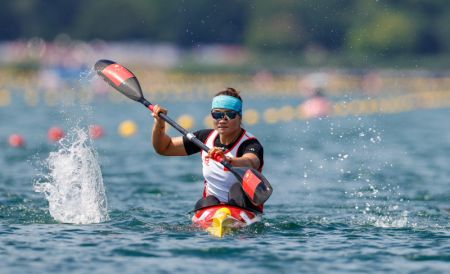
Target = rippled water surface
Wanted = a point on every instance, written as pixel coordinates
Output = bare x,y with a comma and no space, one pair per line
367,194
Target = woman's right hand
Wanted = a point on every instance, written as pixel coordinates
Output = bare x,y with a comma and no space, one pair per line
158,121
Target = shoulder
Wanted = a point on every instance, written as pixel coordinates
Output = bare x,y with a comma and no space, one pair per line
252,142
253,146
250,139
203,134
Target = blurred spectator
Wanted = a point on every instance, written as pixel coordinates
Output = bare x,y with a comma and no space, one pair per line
313,87
317,105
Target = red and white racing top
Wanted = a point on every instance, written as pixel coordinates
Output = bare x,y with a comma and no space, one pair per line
218,180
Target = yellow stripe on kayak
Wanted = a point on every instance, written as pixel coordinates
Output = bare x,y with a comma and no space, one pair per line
219,225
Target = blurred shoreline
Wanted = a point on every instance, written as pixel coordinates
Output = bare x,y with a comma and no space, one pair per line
164,68
37,53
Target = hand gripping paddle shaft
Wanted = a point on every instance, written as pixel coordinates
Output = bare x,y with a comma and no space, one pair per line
254,184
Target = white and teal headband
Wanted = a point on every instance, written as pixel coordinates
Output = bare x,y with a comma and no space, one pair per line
227,102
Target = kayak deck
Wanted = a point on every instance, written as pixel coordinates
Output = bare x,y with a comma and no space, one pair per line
222,219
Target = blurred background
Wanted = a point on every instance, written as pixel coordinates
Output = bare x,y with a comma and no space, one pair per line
188,50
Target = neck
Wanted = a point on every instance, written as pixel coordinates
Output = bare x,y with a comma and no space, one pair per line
230,138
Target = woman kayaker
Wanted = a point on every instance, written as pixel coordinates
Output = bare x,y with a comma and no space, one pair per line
228,139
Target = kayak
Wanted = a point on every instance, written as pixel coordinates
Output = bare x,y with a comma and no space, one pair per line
220,220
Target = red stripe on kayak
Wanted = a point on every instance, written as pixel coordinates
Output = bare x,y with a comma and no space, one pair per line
249,183
117,74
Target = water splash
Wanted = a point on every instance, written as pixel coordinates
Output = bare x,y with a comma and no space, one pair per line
74,184
391,221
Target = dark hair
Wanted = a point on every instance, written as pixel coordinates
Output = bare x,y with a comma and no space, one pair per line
229,92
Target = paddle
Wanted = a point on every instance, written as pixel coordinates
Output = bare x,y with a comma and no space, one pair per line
254,184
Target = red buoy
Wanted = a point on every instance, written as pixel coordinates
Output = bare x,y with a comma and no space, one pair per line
16,140
96,131
55,134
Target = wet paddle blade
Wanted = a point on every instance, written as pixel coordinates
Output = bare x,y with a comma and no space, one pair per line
256,186
119,78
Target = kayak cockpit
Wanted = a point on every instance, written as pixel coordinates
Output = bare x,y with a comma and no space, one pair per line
222,219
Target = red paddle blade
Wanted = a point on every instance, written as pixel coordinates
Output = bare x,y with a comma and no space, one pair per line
119,78
255,185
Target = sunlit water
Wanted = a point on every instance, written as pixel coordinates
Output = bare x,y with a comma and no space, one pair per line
363,194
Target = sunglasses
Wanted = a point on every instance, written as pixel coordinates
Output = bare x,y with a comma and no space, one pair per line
220,115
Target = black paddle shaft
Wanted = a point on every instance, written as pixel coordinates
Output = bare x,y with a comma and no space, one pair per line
126,83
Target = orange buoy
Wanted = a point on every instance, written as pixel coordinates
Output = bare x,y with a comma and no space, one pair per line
128,128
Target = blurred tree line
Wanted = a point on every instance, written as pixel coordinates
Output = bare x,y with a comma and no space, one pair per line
382,27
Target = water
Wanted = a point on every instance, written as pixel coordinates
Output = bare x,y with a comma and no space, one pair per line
363,194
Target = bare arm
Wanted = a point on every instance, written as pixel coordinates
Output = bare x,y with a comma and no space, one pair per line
246,160
163,143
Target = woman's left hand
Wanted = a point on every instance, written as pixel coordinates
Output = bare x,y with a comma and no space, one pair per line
216,152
